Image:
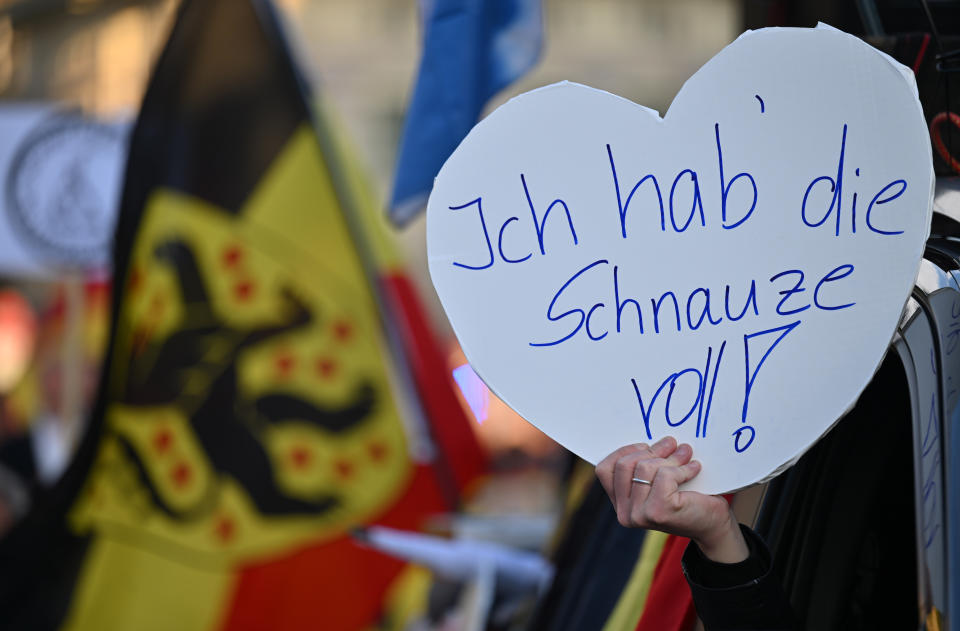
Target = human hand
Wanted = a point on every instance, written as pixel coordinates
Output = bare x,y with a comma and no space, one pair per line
661,505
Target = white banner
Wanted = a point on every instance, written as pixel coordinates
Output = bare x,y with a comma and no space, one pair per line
730,274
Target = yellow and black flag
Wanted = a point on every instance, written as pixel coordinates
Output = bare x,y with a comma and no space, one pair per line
247,417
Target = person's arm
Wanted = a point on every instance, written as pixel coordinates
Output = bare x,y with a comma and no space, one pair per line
742,595
658,503
728,568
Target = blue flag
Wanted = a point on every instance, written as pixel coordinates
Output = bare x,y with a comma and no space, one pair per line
472,50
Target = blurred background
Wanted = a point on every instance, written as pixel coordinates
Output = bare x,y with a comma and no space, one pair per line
73,80
362,56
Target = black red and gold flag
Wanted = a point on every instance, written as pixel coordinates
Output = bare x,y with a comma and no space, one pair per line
250,412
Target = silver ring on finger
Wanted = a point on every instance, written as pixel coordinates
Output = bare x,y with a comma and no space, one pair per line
642,481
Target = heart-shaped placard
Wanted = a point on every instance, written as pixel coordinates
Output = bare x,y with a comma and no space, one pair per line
730,274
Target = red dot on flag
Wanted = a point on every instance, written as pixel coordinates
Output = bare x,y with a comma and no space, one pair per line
162,440
326,367
181,474
342,330
225,529
300,457
285,363
344,469
377,451
232,256
243,290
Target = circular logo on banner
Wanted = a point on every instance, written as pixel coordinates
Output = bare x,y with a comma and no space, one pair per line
730,274
63,189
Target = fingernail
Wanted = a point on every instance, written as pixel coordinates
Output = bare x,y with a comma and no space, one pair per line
684,448
663,441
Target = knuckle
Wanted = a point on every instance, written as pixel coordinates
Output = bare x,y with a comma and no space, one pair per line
626,465
675,458
669,471
665,472
607,463
643,470
602,469
626,450
655,514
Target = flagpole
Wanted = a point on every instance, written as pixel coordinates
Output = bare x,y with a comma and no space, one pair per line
398,356
71,358
351,213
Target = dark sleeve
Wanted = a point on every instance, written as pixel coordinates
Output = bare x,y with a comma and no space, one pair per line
745,595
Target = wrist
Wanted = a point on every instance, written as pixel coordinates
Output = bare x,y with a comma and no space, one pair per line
724,544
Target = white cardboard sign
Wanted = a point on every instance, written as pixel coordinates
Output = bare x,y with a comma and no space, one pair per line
730,274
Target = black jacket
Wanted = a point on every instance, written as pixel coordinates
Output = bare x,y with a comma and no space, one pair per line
743,596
